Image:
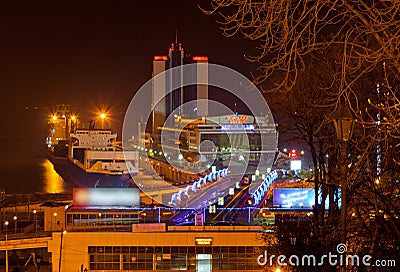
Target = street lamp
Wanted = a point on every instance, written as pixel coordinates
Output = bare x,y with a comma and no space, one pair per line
35,218
144,217
6,224
15,224
55,218
344,122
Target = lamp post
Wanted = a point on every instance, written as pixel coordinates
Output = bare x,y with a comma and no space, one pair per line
6,224
15,224
144,217
344,122
55,218
35,218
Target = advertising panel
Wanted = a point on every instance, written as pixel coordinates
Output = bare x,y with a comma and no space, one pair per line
299,198
294,197
106,197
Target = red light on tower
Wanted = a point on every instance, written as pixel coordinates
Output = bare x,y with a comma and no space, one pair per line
293,154
164,58
200,58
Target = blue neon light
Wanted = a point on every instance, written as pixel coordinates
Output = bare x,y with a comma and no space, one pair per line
211,177
263,188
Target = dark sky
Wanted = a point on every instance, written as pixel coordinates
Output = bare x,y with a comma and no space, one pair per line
93,53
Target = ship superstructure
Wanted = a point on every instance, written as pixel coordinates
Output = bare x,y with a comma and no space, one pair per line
62,121
95,150
88,157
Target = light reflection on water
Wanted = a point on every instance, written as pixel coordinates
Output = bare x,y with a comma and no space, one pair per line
52,181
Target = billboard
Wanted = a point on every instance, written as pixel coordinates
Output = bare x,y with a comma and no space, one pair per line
295,165
299,198
294,197
106,197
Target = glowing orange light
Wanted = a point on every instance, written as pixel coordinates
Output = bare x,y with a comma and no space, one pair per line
54,117
200,58
161,58
237,119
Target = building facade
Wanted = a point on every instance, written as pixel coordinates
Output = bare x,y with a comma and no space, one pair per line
105,230
177,101
161,250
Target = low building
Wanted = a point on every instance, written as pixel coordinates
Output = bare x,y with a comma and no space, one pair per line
144,250
107,232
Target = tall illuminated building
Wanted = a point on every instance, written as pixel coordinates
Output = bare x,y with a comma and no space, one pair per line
176,102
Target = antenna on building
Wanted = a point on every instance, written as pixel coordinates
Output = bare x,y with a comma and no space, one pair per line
176,35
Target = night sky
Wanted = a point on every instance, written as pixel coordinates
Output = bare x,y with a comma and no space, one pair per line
90,54
98,53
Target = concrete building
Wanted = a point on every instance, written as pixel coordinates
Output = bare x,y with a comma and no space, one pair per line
175,102
144,250
101,237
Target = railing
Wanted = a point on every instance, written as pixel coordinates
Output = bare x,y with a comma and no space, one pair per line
32,198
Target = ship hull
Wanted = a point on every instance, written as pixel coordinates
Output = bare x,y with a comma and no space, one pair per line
75,175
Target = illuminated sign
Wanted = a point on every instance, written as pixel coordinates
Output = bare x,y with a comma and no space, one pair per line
203,241
106,197
149,227
293,154
246,127
294,197
295,165
237,119
166,256
231,119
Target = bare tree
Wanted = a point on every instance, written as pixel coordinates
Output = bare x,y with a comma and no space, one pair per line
287,31
319,54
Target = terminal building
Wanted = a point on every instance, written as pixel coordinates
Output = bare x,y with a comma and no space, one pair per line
241,138
104,230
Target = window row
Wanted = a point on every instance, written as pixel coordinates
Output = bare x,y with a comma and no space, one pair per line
174,249
173,258
173,266
108,219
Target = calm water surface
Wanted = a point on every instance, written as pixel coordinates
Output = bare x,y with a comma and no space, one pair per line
24,167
